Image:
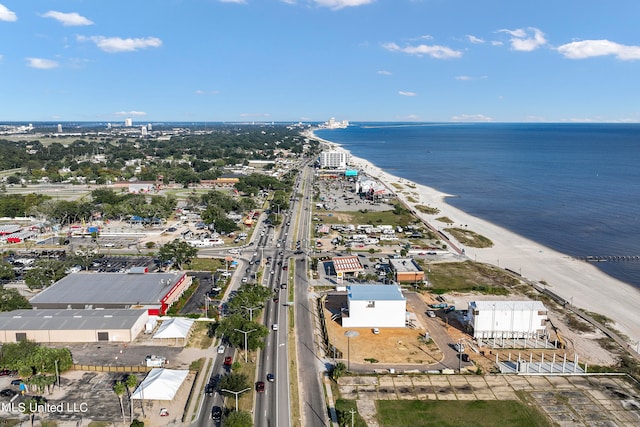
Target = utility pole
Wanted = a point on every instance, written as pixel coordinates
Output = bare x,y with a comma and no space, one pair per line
245,341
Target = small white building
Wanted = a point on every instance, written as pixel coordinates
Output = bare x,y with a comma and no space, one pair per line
507,319
375,306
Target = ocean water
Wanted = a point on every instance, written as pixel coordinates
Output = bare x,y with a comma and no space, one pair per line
572,187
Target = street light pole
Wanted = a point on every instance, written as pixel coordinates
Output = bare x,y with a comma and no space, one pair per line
349,335
250,311
236,393
245,341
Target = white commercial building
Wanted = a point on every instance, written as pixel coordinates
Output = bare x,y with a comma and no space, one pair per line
507,319
375,306
335,159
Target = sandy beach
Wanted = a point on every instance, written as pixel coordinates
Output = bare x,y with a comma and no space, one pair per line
576,281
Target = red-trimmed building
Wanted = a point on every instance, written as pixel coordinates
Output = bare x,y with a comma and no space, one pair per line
155,292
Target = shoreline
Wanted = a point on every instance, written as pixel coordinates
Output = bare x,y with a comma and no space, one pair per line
582,284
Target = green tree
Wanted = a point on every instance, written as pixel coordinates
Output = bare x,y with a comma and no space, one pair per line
10,299
339,370
238,419
178,251
230,325
119,389
233,382
45,273
6,271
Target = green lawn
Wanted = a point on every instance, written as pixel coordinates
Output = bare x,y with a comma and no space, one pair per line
473,413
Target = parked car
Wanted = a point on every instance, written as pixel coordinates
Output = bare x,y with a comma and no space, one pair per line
7,392
376,331
430,313
16,382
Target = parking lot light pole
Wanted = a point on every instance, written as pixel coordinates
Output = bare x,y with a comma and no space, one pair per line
349,335
236,393
245,341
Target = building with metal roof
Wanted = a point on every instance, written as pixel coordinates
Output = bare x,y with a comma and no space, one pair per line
406,270
88,290
375,306
72,326
346,266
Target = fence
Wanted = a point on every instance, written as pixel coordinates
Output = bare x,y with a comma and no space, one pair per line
99,368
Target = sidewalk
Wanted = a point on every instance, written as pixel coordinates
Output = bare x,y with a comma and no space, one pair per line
330,402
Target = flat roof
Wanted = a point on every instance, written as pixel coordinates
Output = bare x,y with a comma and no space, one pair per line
404,265
375,293
347,263
108,288
31,320
506,305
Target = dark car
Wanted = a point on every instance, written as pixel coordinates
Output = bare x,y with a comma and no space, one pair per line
5,372
209,389
260,386
228,361
7,392
16,382
271,378
276,299
216,413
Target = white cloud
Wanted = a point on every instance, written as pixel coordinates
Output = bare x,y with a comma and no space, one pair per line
434,51
117,44
471,118
341,4
383,72
129,113
405,93
474,39
6,14
68,19
467,78
525,39
203,92
42,64
590,48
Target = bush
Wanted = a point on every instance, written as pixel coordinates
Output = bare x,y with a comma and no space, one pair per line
137,423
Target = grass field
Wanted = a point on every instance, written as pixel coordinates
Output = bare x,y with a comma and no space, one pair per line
468,276
476,413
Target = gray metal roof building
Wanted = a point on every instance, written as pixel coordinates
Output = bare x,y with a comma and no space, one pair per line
46,326
113,290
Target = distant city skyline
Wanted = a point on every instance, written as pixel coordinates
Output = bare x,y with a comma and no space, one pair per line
310,60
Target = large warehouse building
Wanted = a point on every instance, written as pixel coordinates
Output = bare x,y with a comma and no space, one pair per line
507,319
71,326
155,292
369,306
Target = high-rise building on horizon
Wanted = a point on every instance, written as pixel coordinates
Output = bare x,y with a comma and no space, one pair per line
59,128
128,122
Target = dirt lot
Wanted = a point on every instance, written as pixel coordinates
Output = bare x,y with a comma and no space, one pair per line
391,346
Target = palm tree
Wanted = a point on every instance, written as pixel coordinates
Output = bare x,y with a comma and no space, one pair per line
119,389
131,382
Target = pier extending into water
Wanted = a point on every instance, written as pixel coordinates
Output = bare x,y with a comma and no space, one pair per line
607,258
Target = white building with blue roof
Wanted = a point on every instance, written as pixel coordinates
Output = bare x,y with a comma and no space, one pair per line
375,306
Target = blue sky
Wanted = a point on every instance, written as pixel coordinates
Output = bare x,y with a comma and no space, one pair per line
308,60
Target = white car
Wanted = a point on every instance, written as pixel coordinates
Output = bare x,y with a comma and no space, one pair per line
430,313
221,349
274,326
376,331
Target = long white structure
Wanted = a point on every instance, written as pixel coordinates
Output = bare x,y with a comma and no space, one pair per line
507,319
375,306
334,159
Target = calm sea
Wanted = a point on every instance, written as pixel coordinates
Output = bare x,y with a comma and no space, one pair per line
572,187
